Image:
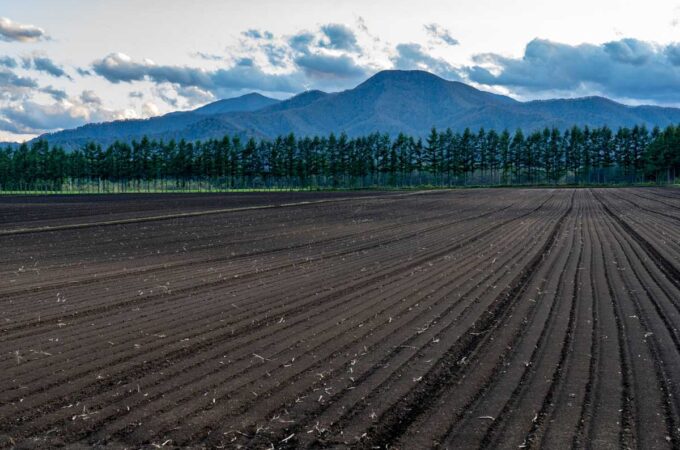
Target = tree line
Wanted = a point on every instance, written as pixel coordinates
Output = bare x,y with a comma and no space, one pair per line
550,156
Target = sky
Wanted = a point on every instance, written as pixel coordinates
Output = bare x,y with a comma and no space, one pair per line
64,63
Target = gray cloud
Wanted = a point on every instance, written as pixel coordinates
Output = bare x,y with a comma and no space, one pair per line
246,62
625,69
30,117
13,86
194,95
301,42
167,95
327,66
245,75
136,94
8,78
8,125
252,77
339,37
257,34
118,67
43,64
413,56
56,94
207,56
9,62
673,53
277,55
89,97
630,51
182,96
15,32
440,34
331,36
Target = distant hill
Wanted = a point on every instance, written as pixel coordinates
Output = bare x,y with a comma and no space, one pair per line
172,125
391,101
248,102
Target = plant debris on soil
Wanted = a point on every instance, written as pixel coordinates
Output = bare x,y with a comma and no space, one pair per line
498,318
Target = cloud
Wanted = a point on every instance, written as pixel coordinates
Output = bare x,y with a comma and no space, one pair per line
624,69
118,67
44,64
301,42
13,86
167,95
21,112
329,66
90,98
182,96
246,62
257,34
277,55
332,36
253,77
207,56
150,109
194,95
361,24
30,117
329,57
413,56
339,37
8,78
9,62
673,53
136,94
440,34
56,94
629,51
15,32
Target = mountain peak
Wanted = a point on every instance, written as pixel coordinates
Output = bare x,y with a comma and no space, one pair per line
248,102
252,95
299,101
403,76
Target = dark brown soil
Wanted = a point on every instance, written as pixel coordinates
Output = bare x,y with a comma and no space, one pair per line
454,319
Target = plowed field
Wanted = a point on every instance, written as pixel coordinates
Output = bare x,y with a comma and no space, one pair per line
455,319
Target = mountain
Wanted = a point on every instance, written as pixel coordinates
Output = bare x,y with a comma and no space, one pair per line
298,101
391,101
162,127
248,102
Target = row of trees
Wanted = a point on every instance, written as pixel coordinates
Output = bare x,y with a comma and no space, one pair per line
575,156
